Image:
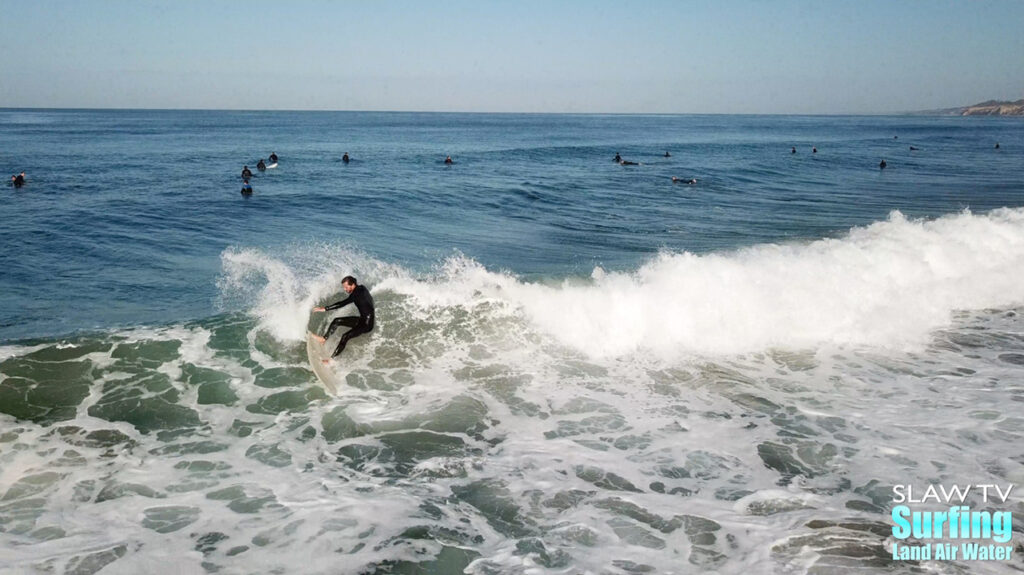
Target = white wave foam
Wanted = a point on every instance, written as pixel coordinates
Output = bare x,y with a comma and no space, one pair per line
889,284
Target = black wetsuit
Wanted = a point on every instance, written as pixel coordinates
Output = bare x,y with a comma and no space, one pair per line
18,181
363,324
261,166
273,158
246,173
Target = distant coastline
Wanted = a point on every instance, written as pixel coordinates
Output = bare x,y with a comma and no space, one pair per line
988,108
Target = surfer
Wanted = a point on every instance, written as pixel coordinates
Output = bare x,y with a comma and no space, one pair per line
618,158
913,149
344,158
792,150
881,165
448,161
997,145
676,180
668,155
261,166
358,295
246,174
814,150
246,188
18,181
273,158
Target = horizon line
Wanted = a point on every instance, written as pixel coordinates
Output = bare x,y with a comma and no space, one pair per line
144,109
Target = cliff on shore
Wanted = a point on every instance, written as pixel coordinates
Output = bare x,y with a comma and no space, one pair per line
989,108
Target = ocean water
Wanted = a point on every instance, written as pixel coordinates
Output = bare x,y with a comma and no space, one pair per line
578,367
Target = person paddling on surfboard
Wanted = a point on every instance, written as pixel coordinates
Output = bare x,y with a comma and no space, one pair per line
358,295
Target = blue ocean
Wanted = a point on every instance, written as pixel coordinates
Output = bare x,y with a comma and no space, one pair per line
579,366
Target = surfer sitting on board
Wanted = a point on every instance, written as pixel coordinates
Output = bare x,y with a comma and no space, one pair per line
358,295
273,158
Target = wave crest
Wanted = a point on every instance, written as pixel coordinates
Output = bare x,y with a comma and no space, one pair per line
889,284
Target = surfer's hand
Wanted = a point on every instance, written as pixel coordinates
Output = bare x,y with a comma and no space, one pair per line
318,308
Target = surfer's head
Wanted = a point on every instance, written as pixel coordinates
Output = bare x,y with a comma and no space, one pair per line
349,283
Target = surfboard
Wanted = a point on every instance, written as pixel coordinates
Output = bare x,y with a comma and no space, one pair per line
316,352
271,166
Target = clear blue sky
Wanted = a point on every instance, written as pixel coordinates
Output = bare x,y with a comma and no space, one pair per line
785,56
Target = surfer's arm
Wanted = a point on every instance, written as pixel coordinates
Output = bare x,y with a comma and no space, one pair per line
339,304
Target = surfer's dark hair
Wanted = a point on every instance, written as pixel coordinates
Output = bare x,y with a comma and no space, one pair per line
349,280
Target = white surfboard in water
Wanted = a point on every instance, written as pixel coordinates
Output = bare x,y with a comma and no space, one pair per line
317,353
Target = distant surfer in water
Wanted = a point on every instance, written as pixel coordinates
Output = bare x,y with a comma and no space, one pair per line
792,150
913,149
448,160
881,165
618,158
676,180
18,181
997,145
261,166
246,188
344,158
668,155
246,173
273,158
358,295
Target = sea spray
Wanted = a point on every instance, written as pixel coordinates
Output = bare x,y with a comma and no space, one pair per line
282,291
